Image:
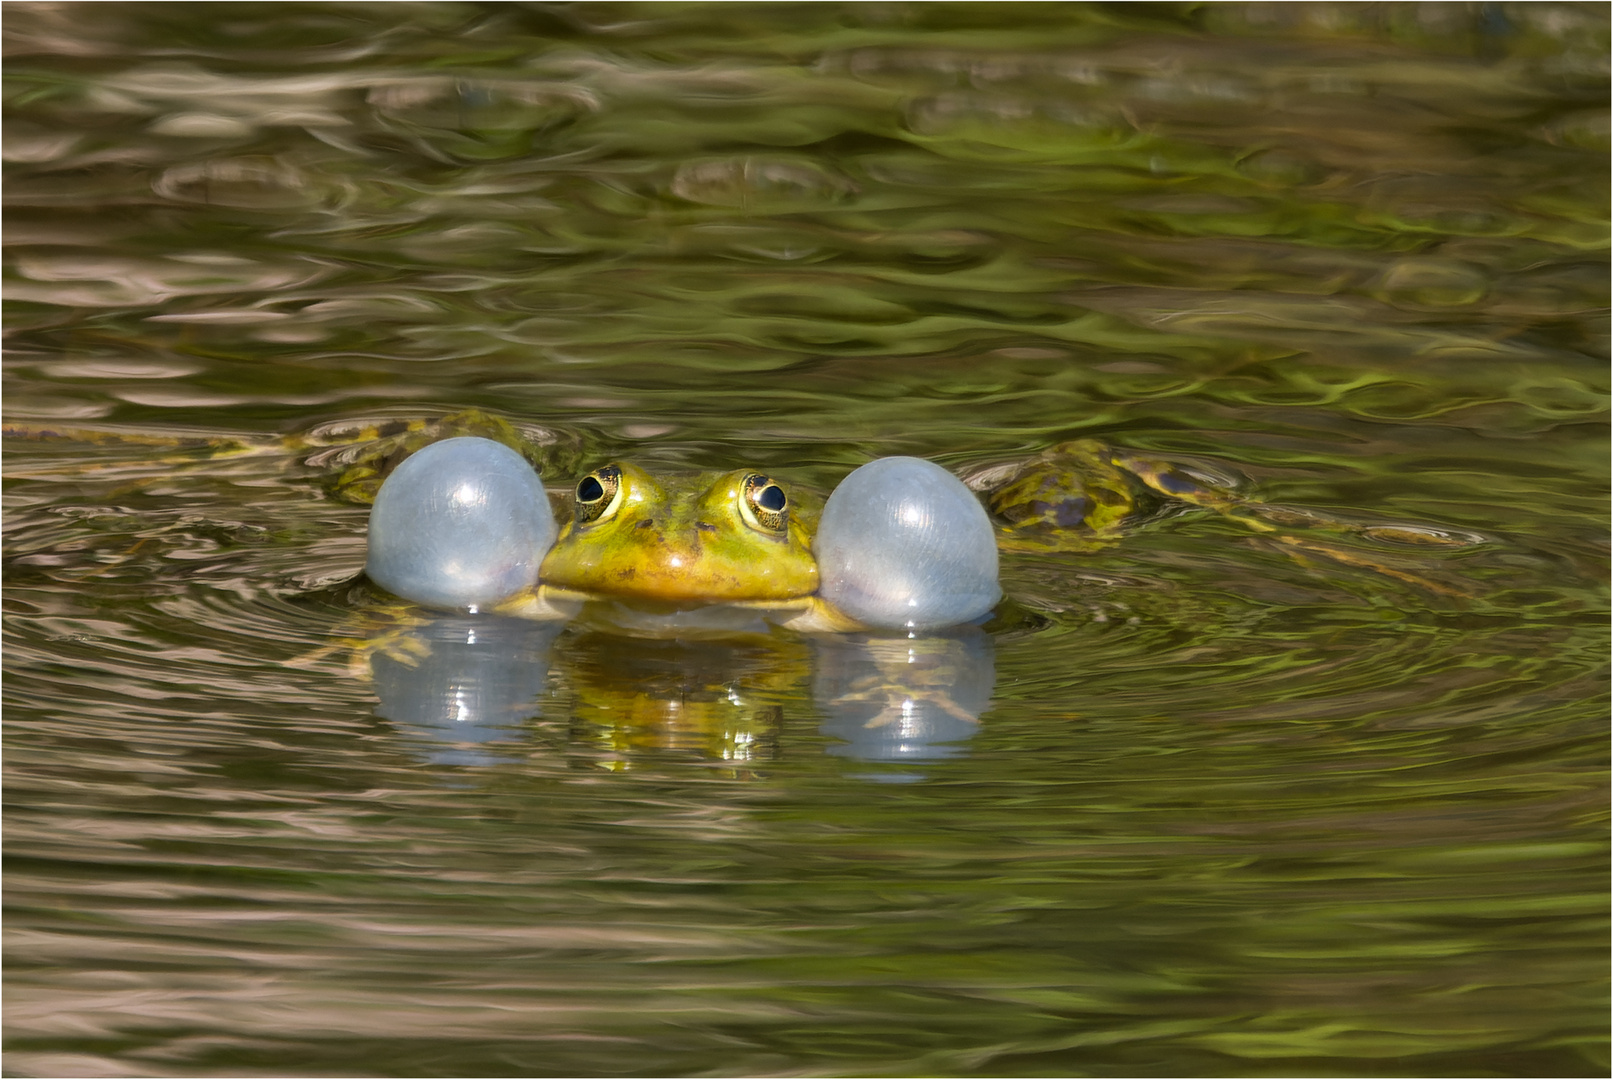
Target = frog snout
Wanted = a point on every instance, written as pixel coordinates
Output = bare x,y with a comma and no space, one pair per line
699,526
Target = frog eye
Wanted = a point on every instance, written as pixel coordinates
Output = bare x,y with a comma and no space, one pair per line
598,494
765,507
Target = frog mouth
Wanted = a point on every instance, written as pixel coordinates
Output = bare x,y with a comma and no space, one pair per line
689,579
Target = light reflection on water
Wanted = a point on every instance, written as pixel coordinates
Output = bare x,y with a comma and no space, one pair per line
1317,786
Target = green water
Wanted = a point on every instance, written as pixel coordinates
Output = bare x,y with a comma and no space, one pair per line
1209,799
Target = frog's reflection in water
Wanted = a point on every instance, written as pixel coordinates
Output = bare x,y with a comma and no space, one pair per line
461,683
901,698
716,700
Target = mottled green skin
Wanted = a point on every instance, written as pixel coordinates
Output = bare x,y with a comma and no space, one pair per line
357,458
1081,493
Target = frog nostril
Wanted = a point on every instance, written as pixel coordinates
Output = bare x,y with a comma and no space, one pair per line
705,526
647,523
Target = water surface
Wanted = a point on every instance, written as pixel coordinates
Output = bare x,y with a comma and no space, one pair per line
1210,799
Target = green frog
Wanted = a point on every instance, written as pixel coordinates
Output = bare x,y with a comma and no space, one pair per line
746,539
901,544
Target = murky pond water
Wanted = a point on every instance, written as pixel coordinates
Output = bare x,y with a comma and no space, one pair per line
1265,793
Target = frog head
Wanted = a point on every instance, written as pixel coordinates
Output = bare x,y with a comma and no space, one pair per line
711,538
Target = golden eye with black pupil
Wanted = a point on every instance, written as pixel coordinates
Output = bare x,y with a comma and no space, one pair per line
765,507
597,494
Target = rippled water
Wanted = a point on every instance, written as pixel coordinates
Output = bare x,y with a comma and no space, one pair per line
1275,792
